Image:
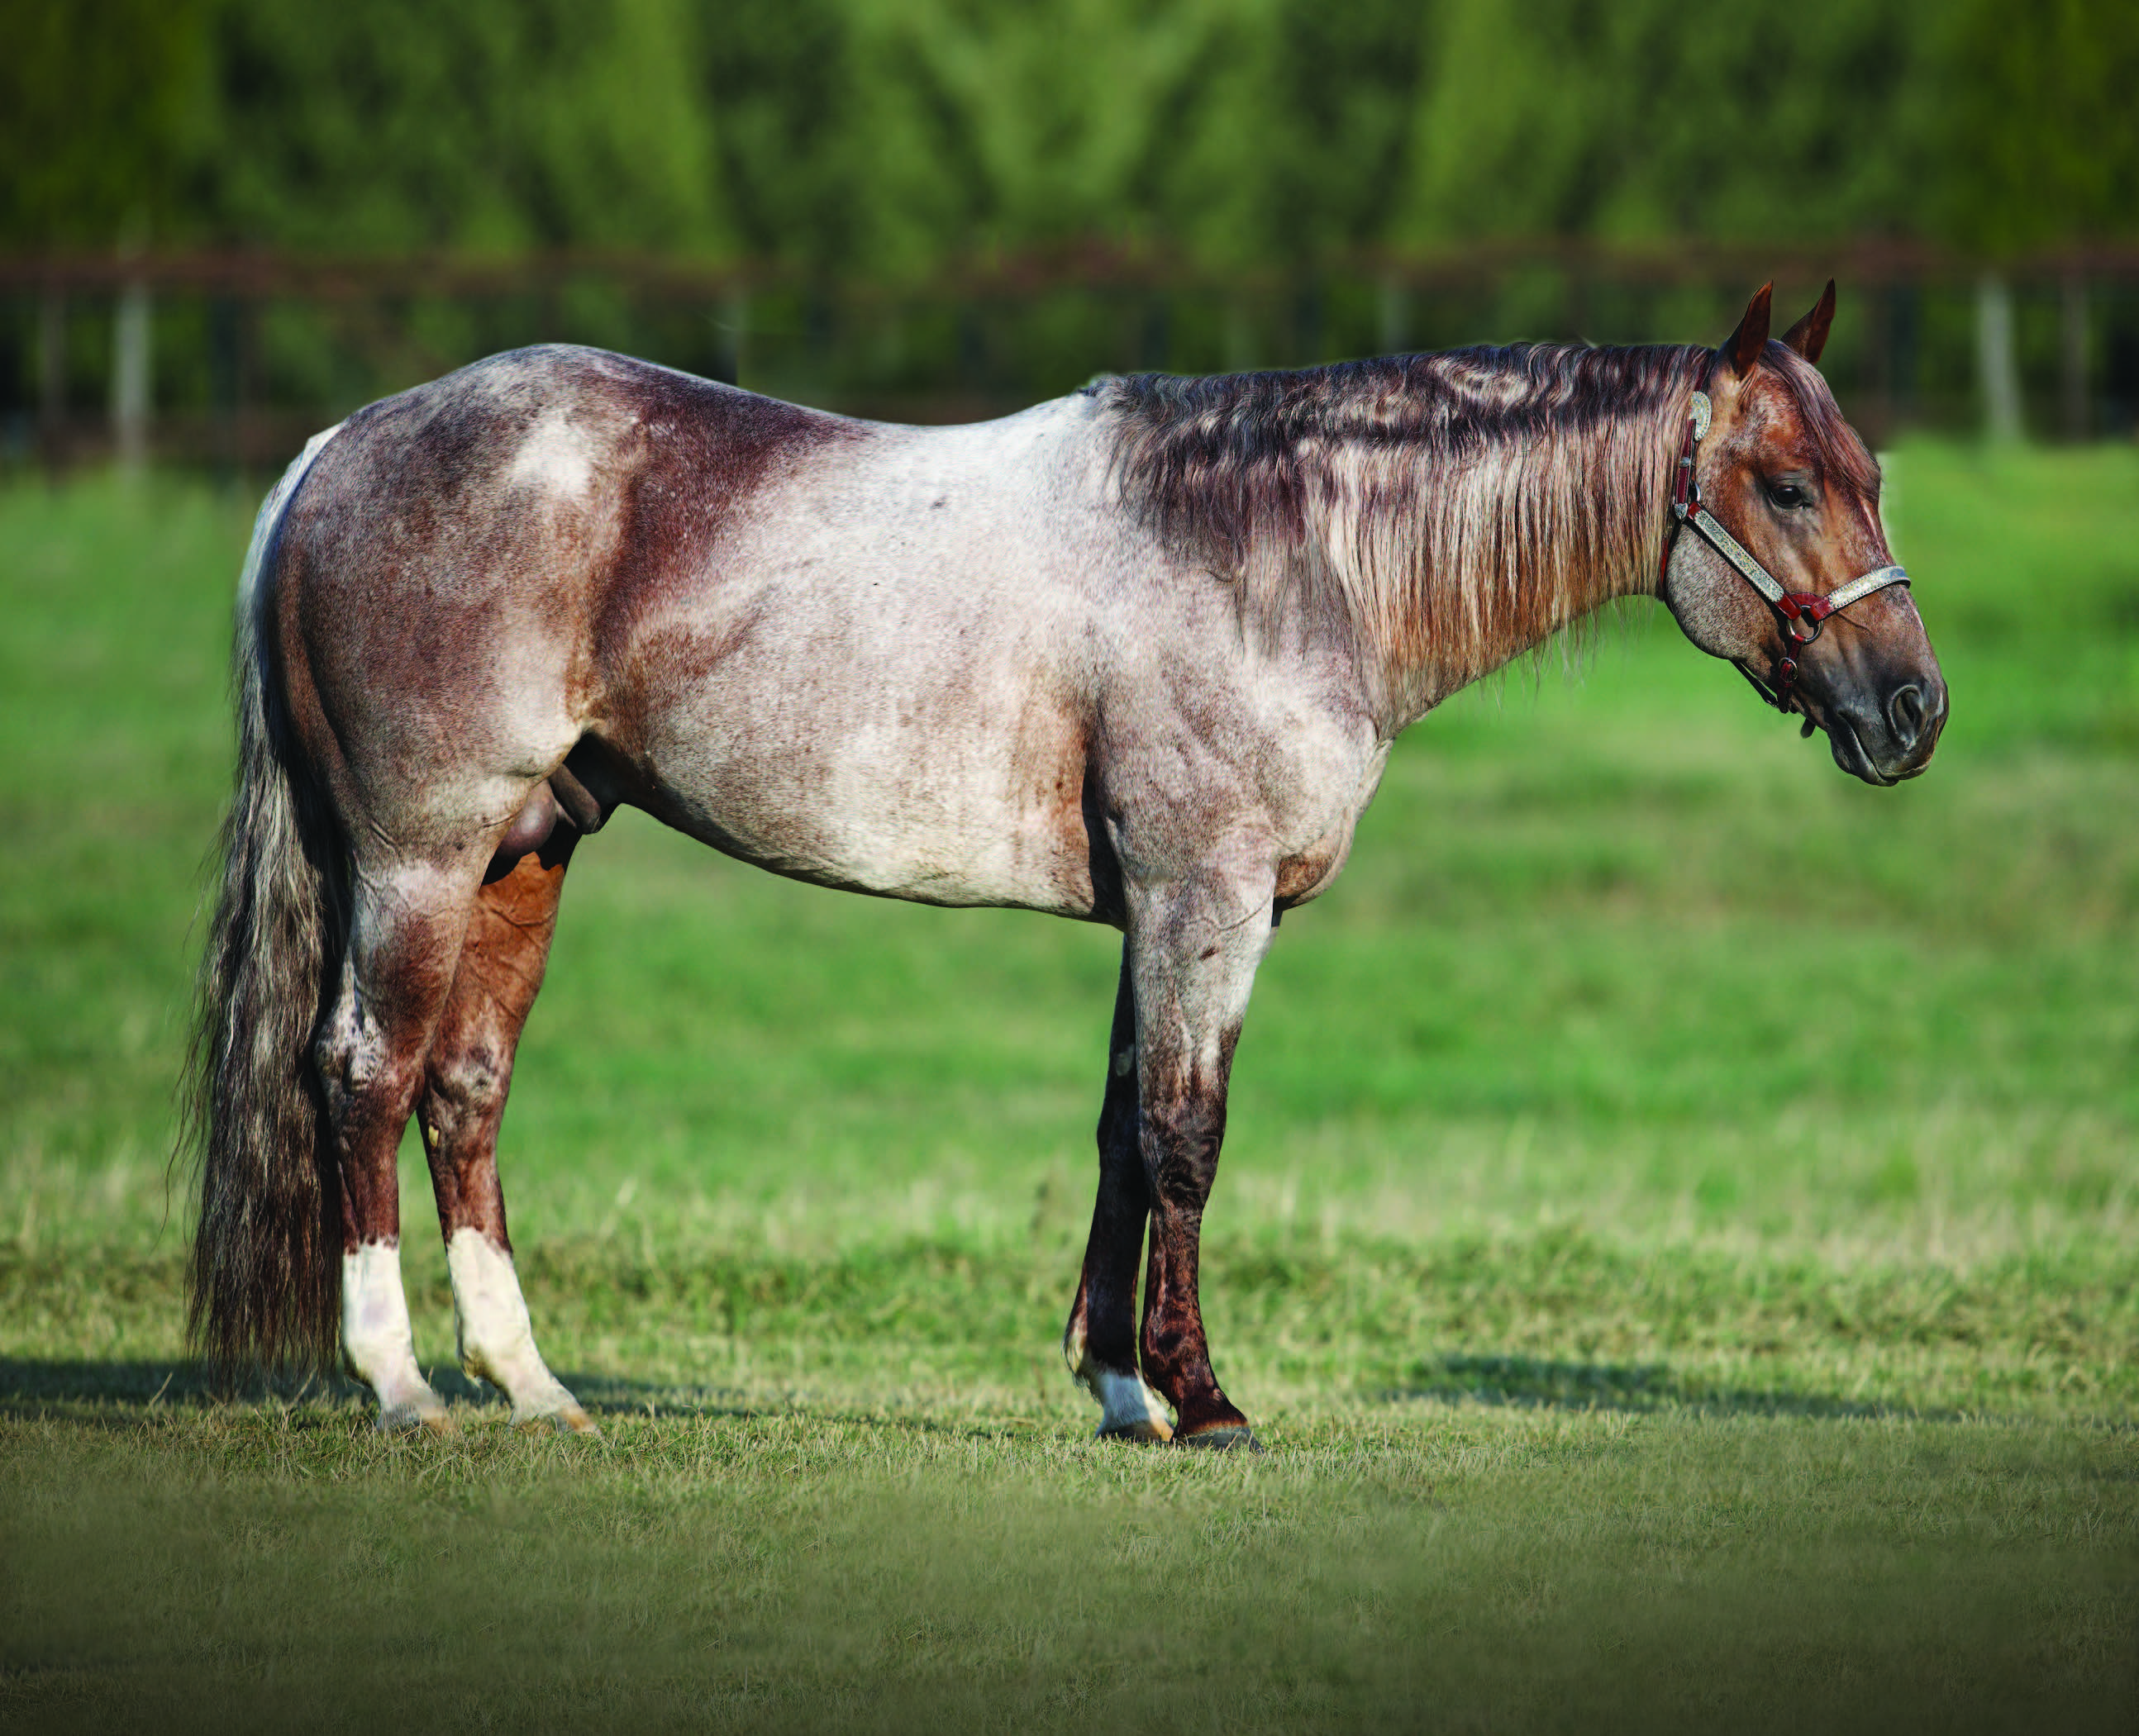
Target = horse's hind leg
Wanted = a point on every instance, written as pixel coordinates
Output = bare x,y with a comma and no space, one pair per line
408,921
1100,1342
468,1074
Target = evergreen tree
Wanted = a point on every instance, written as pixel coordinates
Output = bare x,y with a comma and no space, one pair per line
887,137
100,101
1630,119
493,125
2038,140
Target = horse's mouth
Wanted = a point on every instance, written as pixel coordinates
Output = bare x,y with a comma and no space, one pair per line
1849,754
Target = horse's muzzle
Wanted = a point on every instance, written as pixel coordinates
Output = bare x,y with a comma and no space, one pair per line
1893,739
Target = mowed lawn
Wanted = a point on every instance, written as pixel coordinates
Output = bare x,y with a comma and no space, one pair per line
1677,1236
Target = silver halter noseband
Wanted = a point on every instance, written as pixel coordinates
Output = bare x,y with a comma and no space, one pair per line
1800,613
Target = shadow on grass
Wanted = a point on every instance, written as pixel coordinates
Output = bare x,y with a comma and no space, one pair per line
1530,1383
119,1395
606,1397
119,1392
129,1390
30,1386
122,1394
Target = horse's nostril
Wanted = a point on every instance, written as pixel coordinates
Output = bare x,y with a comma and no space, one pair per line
1905,710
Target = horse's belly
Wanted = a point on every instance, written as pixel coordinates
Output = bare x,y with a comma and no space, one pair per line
897,808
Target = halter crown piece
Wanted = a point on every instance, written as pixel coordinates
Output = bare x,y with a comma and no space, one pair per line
1800,613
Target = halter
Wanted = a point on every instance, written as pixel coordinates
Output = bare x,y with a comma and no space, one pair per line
1800,614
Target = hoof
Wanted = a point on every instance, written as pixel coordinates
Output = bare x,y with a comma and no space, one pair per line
565,1420
426,1414
1225,1437
1137,1430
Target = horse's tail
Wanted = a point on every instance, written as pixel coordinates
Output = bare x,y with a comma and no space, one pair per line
266,1268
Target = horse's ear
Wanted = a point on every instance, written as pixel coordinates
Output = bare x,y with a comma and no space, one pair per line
1808,336
1744,345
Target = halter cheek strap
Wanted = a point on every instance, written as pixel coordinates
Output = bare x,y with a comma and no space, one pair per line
1800,614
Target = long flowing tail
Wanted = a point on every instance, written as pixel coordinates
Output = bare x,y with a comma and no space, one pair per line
266,1254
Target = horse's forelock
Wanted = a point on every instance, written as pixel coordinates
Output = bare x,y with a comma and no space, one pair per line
1838,448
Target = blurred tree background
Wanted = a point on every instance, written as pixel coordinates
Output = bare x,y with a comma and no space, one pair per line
1273,179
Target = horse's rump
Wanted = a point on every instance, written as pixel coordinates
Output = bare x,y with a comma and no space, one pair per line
462,584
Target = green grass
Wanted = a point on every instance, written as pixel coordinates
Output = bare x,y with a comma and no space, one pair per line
1677,1234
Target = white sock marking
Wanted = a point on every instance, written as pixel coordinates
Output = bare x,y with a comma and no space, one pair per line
1126,1400
375,1338
496,1338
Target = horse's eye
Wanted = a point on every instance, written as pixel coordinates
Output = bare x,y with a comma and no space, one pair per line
1789,496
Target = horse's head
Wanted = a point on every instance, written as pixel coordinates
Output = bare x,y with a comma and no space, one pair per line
1778,472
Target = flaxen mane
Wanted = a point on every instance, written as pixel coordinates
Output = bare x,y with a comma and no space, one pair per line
1444,511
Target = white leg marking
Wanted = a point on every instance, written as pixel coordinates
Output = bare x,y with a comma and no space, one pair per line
376,1342
497,1339
1127,1403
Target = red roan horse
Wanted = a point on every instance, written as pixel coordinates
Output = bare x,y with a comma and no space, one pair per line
1135,656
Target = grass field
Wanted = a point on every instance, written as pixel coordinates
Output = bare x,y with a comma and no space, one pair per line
1676,1235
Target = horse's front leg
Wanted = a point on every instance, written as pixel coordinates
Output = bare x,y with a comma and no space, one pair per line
1195,954
1100,1341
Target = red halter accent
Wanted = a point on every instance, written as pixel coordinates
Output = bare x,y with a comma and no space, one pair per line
1800,614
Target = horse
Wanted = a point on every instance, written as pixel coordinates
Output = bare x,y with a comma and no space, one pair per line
1135,656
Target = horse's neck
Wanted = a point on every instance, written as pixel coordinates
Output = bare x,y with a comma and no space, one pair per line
1516,542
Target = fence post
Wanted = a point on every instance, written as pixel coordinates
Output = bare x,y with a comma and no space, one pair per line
1995,362
130,378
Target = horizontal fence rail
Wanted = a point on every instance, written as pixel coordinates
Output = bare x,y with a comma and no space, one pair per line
232,358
